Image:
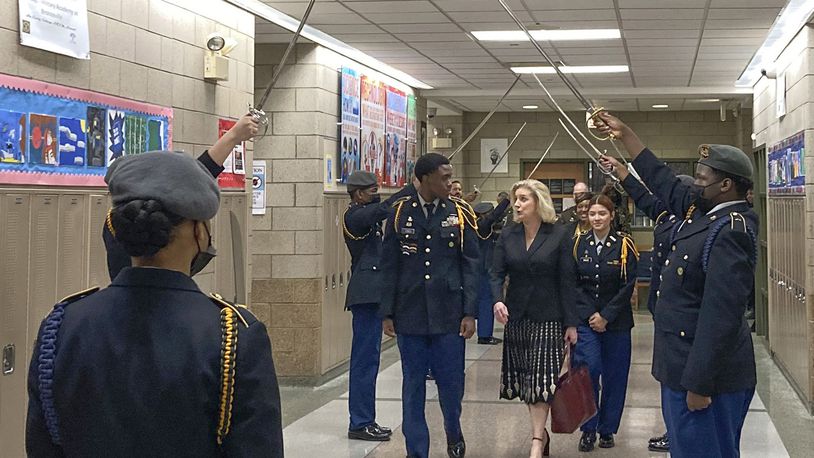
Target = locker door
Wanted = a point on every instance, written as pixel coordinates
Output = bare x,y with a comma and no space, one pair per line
241,209
344,330
97,256
42,270
15,209
72,246
224,267
327,293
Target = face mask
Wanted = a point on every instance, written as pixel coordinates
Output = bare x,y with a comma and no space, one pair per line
202,259
702,203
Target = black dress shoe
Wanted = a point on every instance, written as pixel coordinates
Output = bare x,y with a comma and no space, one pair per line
606,441
657,438
368,433
661,445
587,441
489,340
457,450
383,429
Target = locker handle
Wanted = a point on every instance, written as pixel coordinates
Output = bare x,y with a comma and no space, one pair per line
341,281
326,283
8,359
333,281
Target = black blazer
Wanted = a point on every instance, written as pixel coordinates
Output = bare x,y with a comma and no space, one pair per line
542,279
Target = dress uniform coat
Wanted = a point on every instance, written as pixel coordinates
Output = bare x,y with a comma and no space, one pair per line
488,238
136,370
702,340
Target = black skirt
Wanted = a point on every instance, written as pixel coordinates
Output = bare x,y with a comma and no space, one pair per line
533,354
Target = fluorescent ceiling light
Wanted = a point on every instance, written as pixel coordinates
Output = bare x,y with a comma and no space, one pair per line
548,35
705,100
270,14
795,14
574,69
530,107
661,105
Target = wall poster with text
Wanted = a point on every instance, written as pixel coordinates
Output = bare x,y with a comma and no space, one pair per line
787,174
373,101
57,135
395,138
412,150
349,153
234,169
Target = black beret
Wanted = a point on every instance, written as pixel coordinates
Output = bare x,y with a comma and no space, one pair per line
361,179
180,182
483,207
726,158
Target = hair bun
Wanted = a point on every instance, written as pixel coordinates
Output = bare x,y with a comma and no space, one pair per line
143,227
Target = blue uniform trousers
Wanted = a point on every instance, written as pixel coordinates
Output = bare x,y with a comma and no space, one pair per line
714,432
607,354
486,315
444,355
364,364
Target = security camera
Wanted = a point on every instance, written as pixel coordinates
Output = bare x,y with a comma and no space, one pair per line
771,74
431,112
216,42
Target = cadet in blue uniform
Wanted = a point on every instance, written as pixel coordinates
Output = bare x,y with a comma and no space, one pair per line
703,354
488,217
655,209
606,268
362,227
213,159
429,287
151,366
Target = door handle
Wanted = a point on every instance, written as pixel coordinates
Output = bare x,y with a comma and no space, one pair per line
8,359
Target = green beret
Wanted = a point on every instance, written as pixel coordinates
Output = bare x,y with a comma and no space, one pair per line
180,182
726,158
361,179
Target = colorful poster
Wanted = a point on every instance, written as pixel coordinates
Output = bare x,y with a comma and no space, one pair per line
373,99
234,168
351,118
43,139
135,129
259,188
395,138
115,135
787,175
13,137
71,141
412,150
96,136
155,138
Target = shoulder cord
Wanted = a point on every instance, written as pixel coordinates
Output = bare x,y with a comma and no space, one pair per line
627,244
228,326
109,223
347,232
396,219
45,370
713,234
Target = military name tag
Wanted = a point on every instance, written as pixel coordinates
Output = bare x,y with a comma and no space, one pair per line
615,262
407,230
586,259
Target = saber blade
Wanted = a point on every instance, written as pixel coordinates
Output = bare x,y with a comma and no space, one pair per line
544,155
502,156
588,106
484,121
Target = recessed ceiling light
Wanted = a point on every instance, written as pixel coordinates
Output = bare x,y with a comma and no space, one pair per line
530,107
574,69
548,35
661,105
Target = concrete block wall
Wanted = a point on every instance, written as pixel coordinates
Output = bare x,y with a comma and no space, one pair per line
791,331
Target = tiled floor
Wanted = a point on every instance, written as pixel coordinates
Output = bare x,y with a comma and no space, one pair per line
317,417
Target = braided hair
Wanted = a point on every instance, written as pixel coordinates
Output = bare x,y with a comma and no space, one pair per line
143,227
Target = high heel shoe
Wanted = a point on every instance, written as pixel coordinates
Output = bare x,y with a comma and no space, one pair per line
547,440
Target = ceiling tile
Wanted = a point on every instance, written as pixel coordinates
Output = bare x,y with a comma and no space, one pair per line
296,9
351,38
661,14
743,13
671,4
318,20
475,5
568,4
419,18
401,6
418,28
435,37
488,16
340,29
661,42
736,33
574,15
751,23
746,3
634,34
662,24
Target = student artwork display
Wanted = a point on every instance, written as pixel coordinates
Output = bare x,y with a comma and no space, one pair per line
351,123
56,135
395,138
787,174
412,150
373,101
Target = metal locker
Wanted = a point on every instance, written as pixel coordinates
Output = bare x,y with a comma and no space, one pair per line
224,267
15,225
97,255
42,269
240,205
71,250
344,330
335,286
326,286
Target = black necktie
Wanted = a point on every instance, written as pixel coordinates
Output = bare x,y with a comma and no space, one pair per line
430,209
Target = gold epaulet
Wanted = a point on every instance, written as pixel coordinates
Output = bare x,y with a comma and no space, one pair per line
737,217
76,296
400,201
690,212
239,309
661,215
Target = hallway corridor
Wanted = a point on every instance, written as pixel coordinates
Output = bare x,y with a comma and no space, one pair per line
316,418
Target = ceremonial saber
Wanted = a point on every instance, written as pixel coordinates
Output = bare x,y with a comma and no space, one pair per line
557,134
477,188
484,121
602,169
257,111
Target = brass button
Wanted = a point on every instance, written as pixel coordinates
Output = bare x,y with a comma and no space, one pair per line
666,263
426,277
374,267
686,257
452,244
426,250
674,247
429,236
658,293
689,221
680,271
427,263
682,334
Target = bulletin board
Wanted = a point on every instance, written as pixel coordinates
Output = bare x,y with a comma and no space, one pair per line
787,174
62,136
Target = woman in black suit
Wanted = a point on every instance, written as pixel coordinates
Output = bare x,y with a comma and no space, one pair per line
538,308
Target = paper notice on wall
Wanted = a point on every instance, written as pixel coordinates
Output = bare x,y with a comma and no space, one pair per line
259,188
780,100
59,26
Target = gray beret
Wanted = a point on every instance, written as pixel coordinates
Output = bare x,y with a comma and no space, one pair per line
726,158
483,207
361,179
181,183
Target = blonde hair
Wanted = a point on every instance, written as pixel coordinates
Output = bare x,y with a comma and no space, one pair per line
545,207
